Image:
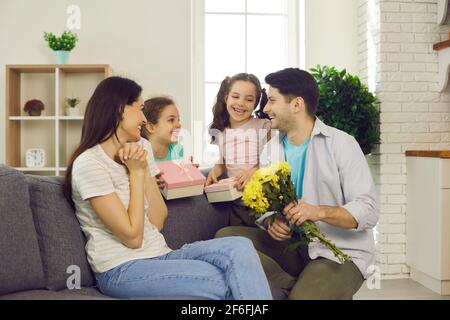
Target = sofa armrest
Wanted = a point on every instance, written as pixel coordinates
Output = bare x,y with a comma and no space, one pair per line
193,219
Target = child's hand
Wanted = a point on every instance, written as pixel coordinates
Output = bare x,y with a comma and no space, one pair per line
160,180
243,178
211,179
194,164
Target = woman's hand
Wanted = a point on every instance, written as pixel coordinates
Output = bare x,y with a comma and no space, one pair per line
243,178
133,156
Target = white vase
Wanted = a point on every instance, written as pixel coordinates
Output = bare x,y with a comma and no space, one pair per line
73,112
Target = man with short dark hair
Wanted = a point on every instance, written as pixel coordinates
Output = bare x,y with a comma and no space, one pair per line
335,190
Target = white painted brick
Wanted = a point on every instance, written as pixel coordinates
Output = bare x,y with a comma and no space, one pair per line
382,259
395,97
413,7
415,47
445,137
439,107
390,148
414,27
415,146
400,37
396,158
390,7
390,47
400,76
391,189
432,67
390,208
423,17
396,258
395,218
415,107
440,127
399,17
405,269
416,127
398,117
425,57
390,107
397,199
392,87
426,97
445,117
400,57
414,66
391,27
428,117
390,168
390,128
392,248
397,238
433,87
400,179
414,86
391,269
391,228
426,76
441,146
384,67
426,38
399,137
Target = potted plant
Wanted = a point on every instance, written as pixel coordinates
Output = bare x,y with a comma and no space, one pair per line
61,45
347,104
34,107
71,108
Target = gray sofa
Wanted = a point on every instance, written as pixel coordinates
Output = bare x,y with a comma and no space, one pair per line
40,237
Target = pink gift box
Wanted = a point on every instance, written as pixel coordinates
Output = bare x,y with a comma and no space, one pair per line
182,179
222,191
222,185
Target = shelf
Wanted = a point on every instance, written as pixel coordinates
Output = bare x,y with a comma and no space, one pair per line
43,169
30,118
442,8
54,131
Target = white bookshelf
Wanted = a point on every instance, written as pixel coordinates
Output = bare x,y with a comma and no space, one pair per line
53,131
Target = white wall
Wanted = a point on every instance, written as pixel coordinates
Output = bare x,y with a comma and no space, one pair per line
146,40
331,34
149,40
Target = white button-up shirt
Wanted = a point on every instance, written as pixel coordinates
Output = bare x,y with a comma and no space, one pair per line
337,175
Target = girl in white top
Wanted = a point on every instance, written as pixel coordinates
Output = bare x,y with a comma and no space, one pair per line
239,135
121,212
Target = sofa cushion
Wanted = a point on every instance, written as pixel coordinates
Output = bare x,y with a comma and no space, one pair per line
21,265
194,218
61,240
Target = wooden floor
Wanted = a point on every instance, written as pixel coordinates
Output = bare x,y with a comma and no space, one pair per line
402,289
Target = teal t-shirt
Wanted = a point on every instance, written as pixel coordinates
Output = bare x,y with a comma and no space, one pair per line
175,152
296,157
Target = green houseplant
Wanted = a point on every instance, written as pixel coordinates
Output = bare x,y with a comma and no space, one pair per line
72,109
61,45
347,104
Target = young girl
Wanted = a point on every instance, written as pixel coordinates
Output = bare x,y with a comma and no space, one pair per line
239,135
121,212
162,128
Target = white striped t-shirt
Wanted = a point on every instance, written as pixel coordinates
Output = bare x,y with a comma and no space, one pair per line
94,174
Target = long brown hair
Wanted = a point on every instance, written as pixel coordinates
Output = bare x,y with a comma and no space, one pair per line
102,118
221,118
153,108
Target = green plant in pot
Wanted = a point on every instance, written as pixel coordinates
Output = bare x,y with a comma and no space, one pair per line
34,107
61,45
72,108
347,104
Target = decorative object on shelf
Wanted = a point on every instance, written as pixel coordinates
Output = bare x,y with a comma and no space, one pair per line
442,8
34,107
72,109
35,158
347,104
443,49
61,45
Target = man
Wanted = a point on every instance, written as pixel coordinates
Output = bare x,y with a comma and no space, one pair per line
335,190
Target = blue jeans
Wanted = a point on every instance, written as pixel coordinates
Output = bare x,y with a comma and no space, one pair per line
225,268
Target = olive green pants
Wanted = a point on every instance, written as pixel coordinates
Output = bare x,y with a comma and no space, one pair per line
293,271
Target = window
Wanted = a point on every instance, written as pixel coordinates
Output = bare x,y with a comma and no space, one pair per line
233,36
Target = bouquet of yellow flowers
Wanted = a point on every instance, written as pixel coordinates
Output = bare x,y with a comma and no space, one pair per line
271,189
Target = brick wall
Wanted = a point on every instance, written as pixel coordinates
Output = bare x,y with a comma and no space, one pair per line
403,73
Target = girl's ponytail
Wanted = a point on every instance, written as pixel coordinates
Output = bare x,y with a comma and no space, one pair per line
262,103
221,118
